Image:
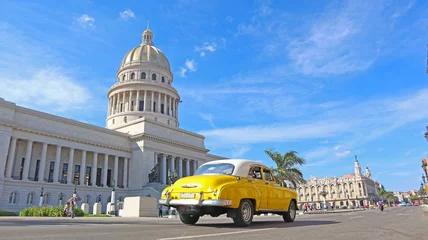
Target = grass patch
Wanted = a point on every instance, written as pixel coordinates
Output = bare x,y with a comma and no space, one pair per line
5,213
48,212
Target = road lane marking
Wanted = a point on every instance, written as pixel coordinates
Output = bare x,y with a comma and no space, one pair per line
216,234
355,217
403,214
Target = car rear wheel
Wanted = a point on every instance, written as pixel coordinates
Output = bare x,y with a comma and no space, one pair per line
189,219
291,214
244,215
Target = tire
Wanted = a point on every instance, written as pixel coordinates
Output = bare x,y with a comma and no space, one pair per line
291,214
189,219
244,214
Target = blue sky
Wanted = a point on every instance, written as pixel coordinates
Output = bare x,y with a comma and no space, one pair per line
328,79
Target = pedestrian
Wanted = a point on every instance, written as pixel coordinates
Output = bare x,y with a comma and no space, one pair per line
160,212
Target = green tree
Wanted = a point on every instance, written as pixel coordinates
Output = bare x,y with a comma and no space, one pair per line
287,167
421,191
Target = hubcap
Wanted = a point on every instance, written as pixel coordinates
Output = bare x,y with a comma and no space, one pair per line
292,210
246,211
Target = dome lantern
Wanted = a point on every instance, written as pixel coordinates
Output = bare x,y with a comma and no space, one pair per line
147,36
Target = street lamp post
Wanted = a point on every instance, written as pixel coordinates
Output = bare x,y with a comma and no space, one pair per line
41,198
113,199
60,198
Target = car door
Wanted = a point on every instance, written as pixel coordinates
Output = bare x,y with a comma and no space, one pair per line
269,182
256,178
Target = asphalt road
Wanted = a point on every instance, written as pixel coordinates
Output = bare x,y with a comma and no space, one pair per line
394,223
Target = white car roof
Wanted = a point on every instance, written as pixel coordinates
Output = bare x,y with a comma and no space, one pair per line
242,166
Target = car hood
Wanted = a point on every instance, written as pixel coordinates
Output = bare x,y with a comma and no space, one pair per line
204,183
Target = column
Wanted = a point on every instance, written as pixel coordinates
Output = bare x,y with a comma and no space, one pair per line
70,166
112,104
158,109
43,163
130,101
137,101
172,163
11,158
115,170
82,176
165,105
27,160
152,102
94,169
105,169
176,110
123,102
57,163
170,105
180,167
187,167
195,166
117,102
145,101
163,169
109,106
125,173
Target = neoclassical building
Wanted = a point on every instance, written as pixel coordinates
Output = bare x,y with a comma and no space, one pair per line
353,189
142,146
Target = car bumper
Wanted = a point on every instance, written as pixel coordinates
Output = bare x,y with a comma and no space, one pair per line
193,202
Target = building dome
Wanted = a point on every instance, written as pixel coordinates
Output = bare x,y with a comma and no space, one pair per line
146,52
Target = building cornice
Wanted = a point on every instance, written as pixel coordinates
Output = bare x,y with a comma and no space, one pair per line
16,127
61,119
145,136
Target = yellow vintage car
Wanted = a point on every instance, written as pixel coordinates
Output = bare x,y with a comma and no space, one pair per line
236,187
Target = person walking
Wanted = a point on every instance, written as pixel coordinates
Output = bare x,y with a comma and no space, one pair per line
160,212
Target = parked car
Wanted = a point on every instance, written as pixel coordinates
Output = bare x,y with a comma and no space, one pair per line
236,187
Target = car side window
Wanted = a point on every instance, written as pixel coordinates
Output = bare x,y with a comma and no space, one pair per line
268,175
255,172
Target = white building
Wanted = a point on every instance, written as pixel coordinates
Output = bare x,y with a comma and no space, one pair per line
141,143
349,190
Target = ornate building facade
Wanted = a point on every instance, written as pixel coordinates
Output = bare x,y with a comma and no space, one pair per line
138,153
356,189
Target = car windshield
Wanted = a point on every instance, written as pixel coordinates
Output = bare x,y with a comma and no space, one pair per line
216,168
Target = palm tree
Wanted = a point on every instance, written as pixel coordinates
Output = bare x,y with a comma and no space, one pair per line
286,169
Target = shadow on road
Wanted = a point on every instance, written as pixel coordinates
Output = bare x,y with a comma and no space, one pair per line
265,224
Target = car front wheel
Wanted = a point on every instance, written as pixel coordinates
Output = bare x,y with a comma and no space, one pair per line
291,214
244,215
189,219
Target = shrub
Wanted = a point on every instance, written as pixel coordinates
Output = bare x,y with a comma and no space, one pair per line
48,212
6,213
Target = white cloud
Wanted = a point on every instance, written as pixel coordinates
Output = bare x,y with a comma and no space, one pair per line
191,65
127,14
343,154
206,47
317,153
86,21
238,152
183,72
265,8
336,147
324,142
46,89
208,117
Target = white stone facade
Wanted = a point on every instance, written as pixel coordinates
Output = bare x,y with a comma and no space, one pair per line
355,190
40,150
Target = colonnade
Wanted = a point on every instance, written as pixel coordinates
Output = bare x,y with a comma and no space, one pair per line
182,166
143,101
75,171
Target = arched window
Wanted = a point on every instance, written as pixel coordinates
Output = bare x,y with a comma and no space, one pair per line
30,198
112,121
13,197
123,77
132,75
125,119
163,79
153,76
143,75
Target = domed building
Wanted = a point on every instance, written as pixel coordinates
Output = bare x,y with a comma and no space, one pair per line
352,190
45,158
